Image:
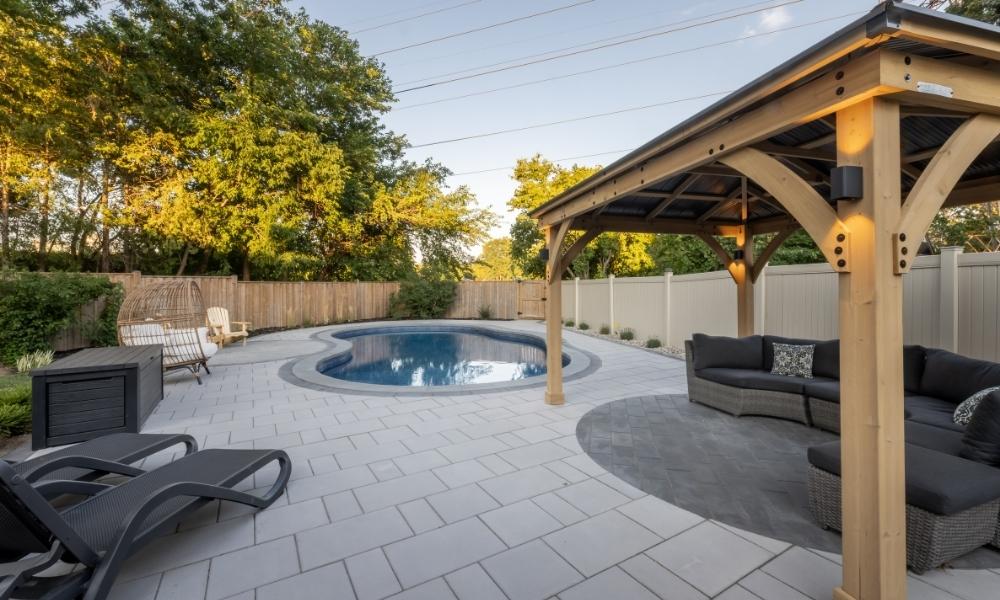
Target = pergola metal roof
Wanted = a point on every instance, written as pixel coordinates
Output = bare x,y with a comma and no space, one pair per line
708,195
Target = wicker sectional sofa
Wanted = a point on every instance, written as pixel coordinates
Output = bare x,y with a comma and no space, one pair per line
953,504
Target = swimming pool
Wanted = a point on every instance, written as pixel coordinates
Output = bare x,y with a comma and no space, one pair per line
433,357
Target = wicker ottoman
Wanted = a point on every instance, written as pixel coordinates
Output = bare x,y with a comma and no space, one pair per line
952,504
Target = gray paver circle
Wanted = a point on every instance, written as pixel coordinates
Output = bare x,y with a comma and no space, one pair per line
748,472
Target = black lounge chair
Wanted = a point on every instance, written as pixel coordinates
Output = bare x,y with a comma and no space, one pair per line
100,532
109,454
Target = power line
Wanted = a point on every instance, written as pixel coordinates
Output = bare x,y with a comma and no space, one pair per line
565,158
590,42
485,27
415,17
623,64
394,13
572,120
586,50
546,35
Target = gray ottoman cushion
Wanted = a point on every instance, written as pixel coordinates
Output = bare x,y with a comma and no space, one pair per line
936,482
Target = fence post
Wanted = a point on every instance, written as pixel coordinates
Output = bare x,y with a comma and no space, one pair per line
668,276
611,303
576,301
760,303
948,317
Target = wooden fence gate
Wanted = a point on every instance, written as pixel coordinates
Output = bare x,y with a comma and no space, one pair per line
530,299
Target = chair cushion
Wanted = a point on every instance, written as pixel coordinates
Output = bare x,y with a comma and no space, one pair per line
793,360
754,379
824,390
934,438
931,411
732,353
954,378
913,367
826,356
981,441
935,481
964,411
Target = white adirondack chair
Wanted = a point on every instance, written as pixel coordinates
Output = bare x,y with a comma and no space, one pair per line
218,319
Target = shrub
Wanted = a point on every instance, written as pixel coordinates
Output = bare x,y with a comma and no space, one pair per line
15,405
34,360
569,323
486,312
626,334
423,297
584,326
653,343
605,330
34,307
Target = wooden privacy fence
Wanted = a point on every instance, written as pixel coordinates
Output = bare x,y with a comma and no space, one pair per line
285,304
950,301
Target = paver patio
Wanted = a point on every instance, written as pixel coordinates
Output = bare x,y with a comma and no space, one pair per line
471,497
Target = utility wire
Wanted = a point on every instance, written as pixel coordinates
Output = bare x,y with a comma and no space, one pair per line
572,120
415,17
565,158
603,25
590,42
394,13
586,50
623,64
485,27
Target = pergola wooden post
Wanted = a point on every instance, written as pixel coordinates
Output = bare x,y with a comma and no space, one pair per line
854,100
871,360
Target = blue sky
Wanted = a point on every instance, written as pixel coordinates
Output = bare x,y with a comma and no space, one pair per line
685,75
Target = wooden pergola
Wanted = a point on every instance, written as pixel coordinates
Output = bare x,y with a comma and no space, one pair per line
906,98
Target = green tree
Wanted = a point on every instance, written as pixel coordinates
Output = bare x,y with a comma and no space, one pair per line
982,10
495,262
540,180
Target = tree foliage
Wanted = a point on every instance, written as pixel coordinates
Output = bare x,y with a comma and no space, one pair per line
228,136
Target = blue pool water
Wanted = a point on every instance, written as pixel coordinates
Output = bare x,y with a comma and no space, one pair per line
436,358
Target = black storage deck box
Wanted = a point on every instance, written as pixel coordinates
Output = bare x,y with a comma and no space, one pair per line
95,392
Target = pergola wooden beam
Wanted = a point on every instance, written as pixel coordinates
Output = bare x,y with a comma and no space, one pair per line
667,201
800,200
769,250
937,182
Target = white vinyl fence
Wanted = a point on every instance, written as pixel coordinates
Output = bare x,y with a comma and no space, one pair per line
950,301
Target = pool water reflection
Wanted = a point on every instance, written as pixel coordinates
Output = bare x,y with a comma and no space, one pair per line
436,358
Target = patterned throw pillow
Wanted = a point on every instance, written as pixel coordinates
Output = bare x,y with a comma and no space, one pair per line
793,360
963,412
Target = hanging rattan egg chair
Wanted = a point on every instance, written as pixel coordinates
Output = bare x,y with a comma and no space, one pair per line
170,313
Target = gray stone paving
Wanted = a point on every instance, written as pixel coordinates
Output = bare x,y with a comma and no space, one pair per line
468,497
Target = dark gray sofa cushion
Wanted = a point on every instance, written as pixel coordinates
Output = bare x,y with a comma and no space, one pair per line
933,438
824,390
826,356
931,411
756,380
981,441
732,353
913,367
935,481
954,378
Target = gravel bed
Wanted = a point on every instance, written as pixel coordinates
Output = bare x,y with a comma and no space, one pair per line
665,350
